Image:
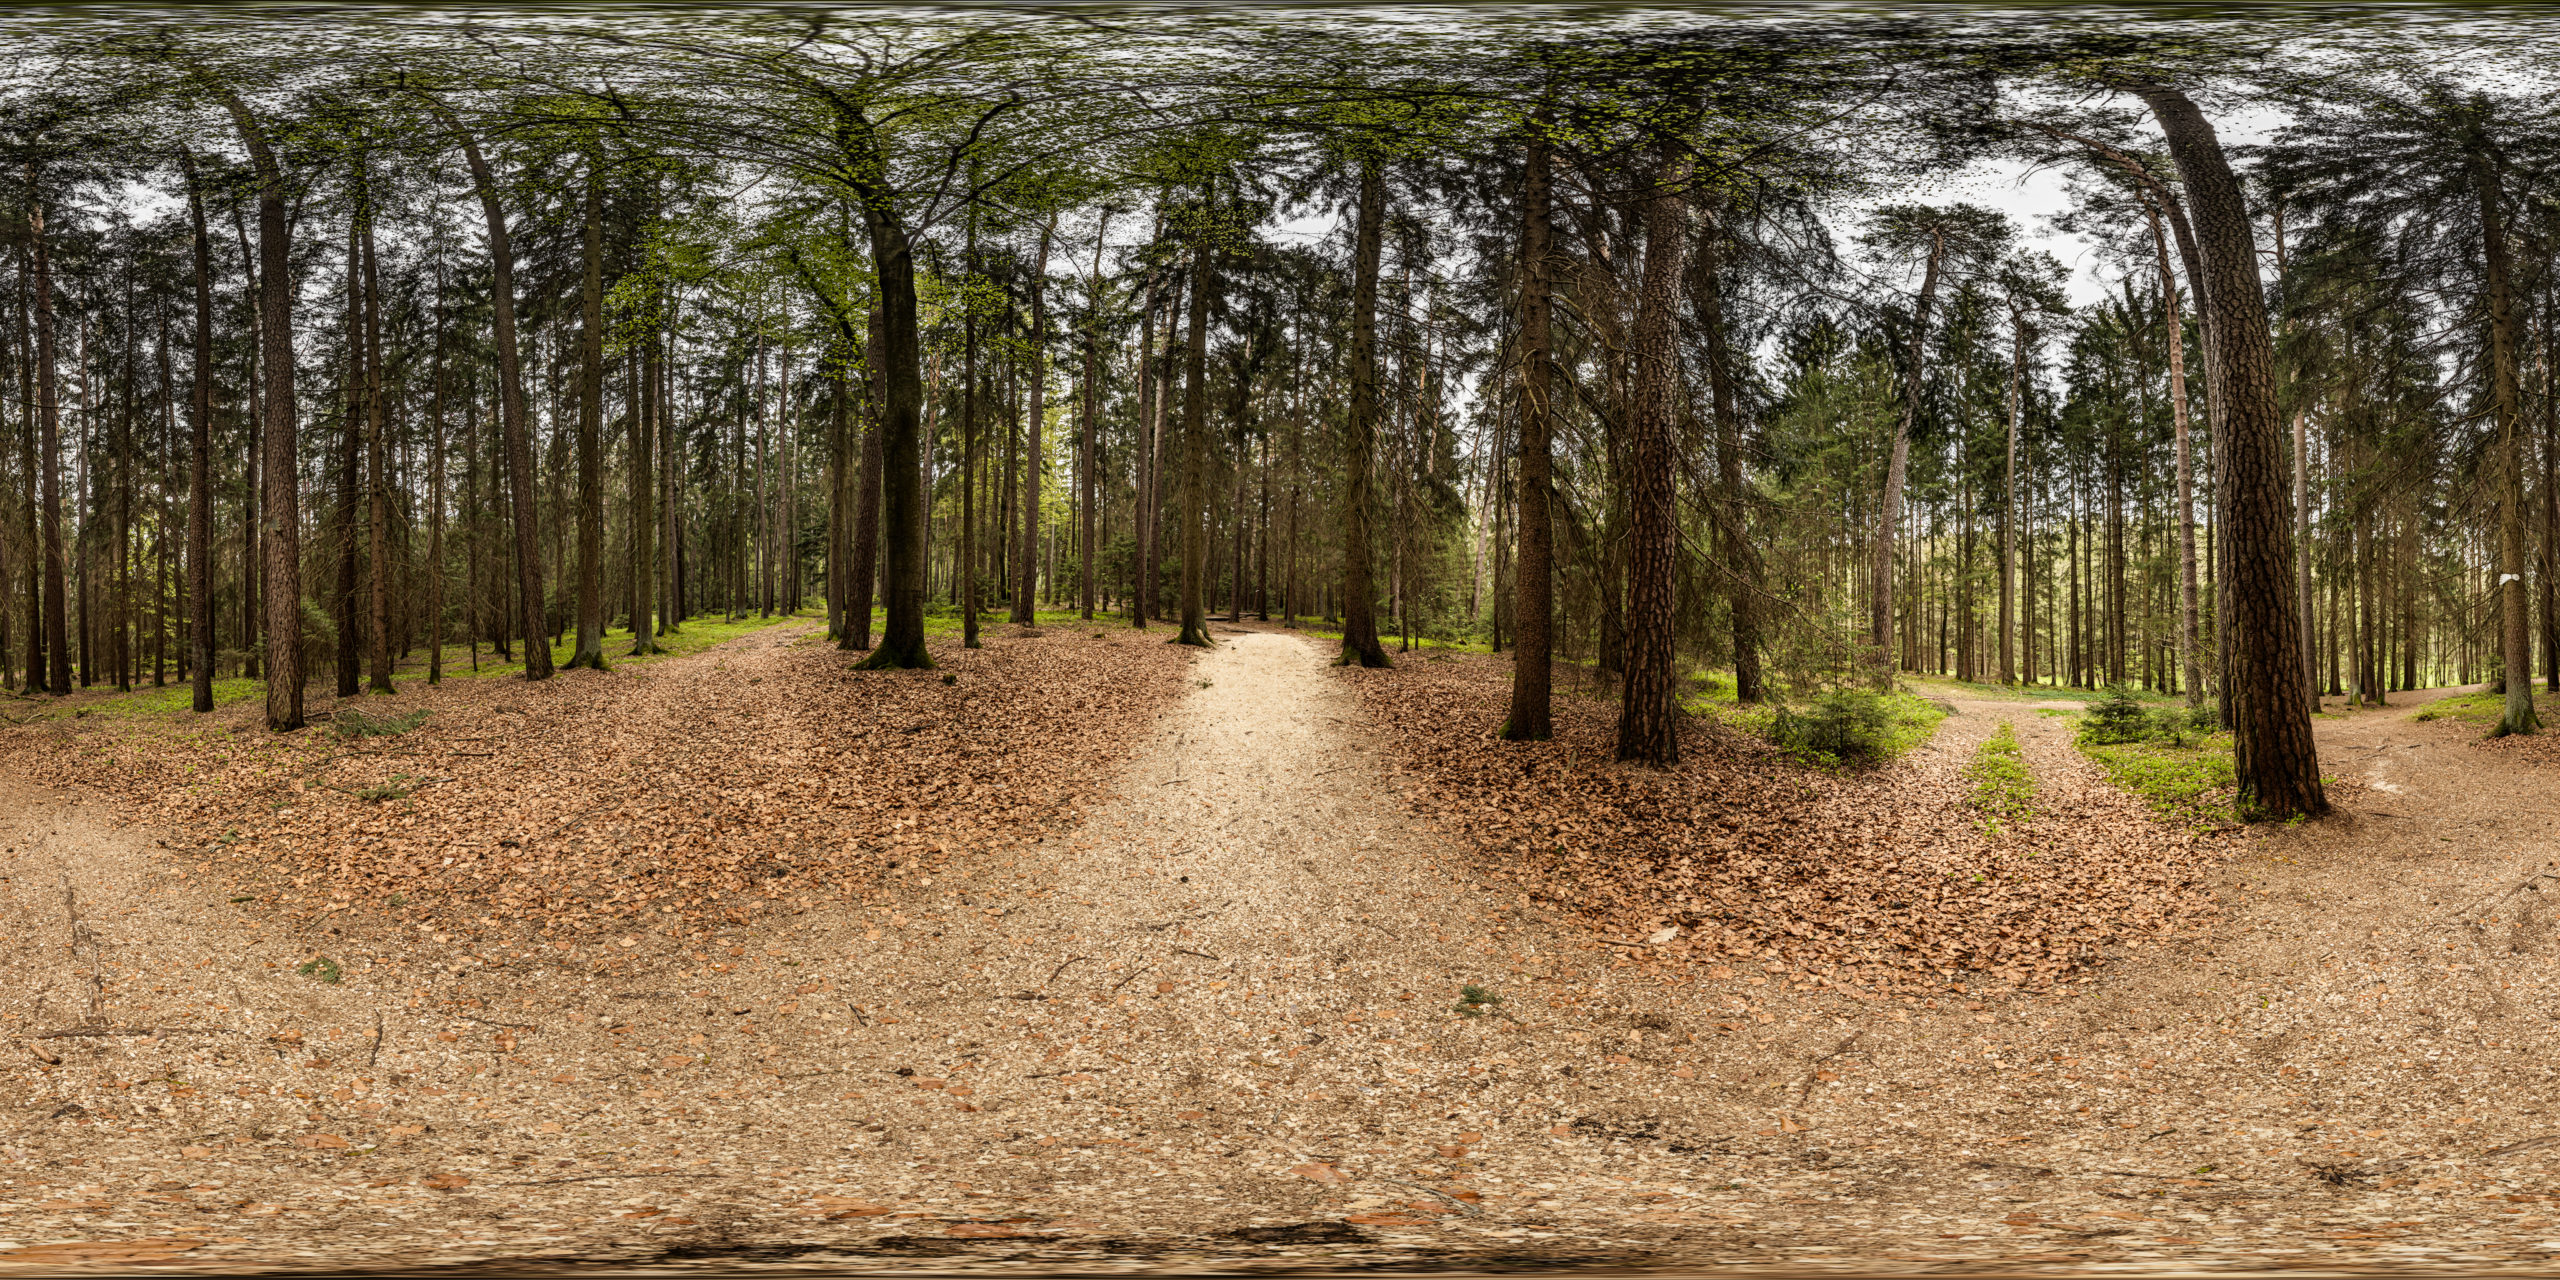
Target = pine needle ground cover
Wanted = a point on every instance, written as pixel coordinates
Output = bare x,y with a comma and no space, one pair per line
1871,881
669,795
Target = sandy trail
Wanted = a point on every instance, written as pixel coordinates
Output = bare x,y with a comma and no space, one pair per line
1218,1024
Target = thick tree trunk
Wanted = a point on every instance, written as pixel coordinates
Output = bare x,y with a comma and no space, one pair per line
280,520
589,652
435,492
1360,426
965,564
641,433
1648,715
1195,454
200,455
2272,749
2018,329
1088,453
511,410
1897,465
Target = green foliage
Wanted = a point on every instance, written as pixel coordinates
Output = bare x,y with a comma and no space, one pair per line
2191,783
1845,727
2117,717
1474,1001
352,724
2003,788
319,969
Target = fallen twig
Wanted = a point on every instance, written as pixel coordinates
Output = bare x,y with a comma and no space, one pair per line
1133,975
71,1033
600,1177
1189,952
1062,968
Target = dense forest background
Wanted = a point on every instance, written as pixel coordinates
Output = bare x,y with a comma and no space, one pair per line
365,351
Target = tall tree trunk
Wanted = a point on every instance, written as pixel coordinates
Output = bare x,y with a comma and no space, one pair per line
1889,515
1142,461
2505,401
1087,448
1027,570
2272,750
641,432
518,442
1733,528
1195,453
377,483
965,564
1648,715
435,491
280,520
200,454
589,652
2018,330
2191,668
39,672
351,454
902,505
866,499
1360,425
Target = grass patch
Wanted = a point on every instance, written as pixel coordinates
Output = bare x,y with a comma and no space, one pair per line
1474,1001
350,724
2190,783
2485,709
1940,686
1838,729
2003,790
322,969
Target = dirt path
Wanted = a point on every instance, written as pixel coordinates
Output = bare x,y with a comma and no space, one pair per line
1221,1023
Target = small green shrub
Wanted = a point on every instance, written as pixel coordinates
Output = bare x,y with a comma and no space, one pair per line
1474,1001
1844,726
319,969
2115,718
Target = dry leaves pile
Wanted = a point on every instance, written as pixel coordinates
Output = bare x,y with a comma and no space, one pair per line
678,791
1885,880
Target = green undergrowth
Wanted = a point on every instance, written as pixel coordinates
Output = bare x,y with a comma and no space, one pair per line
2177,760
1939,686
1843,728
2486,709
2004,791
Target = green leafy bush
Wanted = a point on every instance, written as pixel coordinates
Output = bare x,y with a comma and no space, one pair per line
2115,718
1844,726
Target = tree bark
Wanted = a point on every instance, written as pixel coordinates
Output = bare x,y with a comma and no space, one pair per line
859,582
518,443
1533,580
1027,568
377,483
1742,557
2191,668
1360,426
1648,715
2272,750
2516,651
589,652
200,454
1889,515
1195,451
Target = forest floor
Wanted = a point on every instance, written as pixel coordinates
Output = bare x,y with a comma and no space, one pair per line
1215,998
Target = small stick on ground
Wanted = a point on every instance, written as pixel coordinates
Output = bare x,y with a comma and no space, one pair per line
1062,968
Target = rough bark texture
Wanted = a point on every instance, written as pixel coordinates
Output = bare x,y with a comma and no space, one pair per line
1533,582
57,622
2191,668
350,454
860,581
589,652
642,434
2009,503
1027,558
377,481
1889,515
1360,425
1195,449
280,519
511,413
1648,716
1733,529
2272,752
2505,400
200,456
